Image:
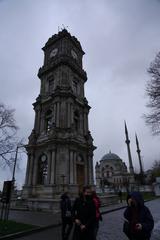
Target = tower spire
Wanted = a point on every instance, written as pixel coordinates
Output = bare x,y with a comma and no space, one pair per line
128,149
139,155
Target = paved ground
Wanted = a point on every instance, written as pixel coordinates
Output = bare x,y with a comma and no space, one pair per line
44,219
40,219
110,227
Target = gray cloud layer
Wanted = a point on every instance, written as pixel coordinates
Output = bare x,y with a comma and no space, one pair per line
120,39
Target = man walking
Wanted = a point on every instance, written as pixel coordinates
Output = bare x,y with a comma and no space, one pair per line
84,213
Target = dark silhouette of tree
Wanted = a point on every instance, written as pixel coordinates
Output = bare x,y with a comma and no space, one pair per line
153,92
8,139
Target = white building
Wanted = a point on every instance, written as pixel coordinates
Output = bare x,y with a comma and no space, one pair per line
112,171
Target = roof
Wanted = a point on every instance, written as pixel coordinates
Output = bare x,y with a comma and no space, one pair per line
110,156
62,34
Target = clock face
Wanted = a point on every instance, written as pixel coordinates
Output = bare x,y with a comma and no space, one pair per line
43,158
74,54
53,52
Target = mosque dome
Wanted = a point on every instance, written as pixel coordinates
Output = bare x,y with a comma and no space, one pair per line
110,156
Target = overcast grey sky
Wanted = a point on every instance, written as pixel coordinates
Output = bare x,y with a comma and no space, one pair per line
120,39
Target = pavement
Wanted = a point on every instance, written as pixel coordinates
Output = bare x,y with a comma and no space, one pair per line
46,220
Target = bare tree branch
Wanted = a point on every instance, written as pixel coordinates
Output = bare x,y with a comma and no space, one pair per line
153,92
8,138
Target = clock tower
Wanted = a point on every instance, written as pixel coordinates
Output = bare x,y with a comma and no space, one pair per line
60,147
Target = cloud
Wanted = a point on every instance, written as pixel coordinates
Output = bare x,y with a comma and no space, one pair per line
120,39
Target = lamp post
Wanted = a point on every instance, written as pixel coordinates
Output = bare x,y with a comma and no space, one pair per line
15,162
14,166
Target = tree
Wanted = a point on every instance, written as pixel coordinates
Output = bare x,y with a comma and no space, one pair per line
8,139
153,92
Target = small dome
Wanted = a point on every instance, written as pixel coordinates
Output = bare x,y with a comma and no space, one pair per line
110,156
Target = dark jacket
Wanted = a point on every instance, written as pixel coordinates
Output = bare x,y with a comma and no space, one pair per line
144,217
65,205
85,211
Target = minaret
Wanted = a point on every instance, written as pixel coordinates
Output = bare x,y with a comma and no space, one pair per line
129,151
139,156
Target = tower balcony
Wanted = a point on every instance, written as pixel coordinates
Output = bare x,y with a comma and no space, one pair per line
62,60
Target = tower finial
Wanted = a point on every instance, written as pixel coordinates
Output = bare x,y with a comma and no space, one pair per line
126,130
64,27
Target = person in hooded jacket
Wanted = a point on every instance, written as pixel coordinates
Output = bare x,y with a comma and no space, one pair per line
139,221
66,215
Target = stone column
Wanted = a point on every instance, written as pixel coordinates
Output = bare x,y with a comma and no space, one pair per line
27,170
52,181
35,169
71,168
68,115
86,170
57,113
49,157
42,122
71,109
75,168
38,120
85,123
86,117
30,170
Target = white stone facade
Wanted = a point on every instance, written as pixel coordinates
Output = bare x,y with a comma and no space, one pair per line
112,171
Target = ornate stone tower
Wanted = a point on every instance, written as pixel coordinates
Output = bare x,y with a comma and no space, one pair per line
60,147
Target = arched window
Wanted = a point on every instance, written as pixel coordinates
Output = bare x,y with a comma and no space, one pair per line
42,169
48,119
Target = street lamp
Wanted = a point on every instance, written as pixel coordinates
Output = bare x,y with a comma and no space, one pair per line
15,162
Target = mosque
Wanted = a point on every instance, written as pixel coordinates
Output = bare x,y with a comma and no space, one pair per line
111,171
